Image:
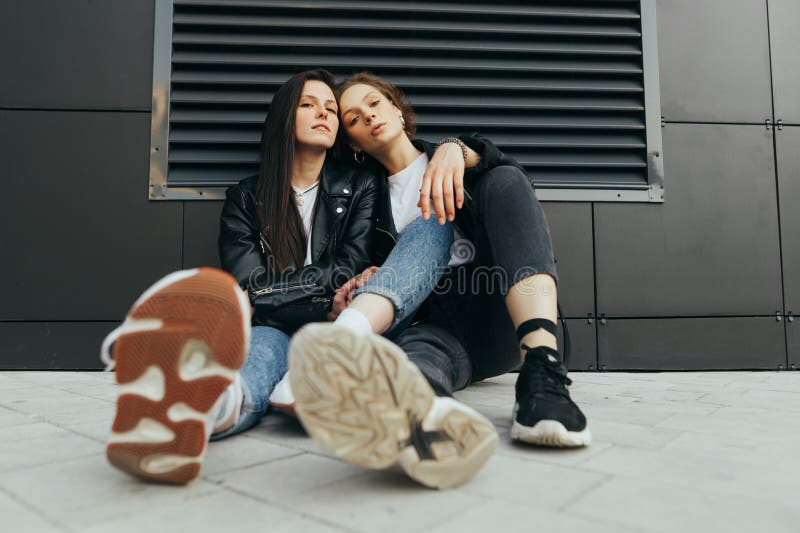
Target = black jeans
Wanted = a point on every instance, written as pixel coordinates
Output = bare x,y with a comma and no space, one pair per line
467,334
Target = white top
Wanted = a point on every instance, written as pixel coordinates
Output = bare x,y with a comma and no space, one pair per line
404,190
307,214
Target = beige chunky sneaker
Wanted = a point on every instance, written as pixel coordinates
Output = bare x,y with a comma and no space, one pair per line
361,397
176,355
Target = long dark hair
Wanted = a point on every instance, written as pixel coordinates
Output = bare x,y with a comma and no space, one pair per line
280,222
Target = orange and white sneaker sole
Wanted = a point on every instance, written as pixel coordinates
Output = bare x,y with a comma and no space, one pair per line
182,343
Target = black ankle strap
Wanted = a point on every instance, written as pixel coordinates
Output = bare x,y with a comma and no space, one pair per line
533,324
537,323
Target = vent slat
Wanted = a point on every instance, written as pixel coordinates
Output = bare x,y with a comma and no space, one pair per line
427,8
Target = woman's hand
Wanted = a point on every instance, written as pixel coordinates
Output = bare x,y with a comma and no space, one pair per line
344,294
444,182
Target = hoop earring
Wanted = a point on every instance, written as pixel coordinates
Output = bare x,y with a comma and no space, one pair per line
363,157
402,122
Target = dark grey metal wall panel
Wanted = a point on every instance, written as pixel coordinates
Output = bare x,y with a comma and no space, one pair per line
788,150
571,230
712,247
76,55
714,60
692,344
200,233
784,16
52,345
584,344
80,237
793,339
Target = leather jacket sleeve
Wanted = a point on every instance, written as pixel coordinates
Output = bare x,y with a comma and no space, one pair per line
295,297
491,156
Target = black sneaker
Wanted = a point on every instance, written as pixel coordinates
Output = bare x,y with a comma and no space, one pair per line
544,414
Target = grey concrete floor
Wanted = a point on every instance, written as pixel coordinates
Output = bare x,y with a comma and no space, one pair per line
672,452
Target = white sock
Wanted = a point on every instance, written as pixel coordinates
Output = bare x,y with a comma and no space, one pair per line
228,407
354,320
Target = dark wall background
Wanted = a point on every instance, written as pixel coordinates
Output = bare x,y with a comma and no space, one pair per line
706,280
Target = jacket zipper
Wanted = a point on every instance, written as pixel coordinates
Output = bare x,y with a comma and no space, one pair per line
270,290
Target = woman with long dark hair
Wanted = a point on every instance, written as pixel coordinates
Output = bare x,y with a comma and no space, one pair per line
494,311
190,366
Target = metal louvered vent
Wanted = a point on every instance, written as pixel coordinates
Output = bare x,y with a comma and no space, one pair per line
567,87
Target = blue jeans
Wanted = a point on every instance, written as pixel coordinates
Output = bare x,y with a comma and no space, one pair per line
407,277
412,269
266,363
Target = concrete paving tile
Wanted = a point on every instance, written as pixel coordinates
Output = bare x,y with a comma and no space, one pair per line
658,506
106,392
636,414
381,500
646,394
11,396
69,408
498,515
282,430
10,418
8,382
782,382
97,431
283,480
219,511
87,492
509,479
632,434
55,376
730,425
240,451
758,449
694,470
35,430
19,517
50,445
306,525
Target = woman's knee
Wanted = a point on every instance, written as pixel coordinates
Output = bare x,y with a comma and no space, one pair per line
504,181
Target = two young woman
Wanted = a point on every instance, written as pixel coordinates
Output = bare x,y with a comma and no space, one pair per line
183,340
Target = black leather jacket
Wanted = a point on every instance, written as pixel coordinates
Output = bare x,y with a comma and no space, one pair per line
341,243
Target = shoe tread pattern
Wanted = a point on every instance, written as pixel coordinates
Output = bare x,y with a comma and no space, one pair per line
199,313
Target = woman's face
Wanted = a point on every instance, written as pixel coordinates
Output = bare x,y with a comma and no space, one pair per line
316,122
370,119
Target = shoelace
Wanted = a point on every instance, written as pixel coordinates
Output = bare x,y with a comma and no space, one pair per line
543,374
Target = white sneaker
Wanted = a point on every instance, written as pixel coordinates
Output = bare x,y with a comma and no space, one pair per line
282,398
176,353
360,396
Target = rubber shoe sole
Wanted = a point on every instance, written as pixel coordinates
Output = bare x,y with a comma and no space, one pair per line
550,433
194,334
360,397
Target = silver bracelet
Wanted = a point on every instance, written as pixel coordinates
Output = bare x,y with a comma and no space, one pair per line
457,141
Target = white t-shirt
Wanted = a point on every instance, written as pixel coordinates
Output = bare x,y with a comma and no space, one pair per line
404,193
307,215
